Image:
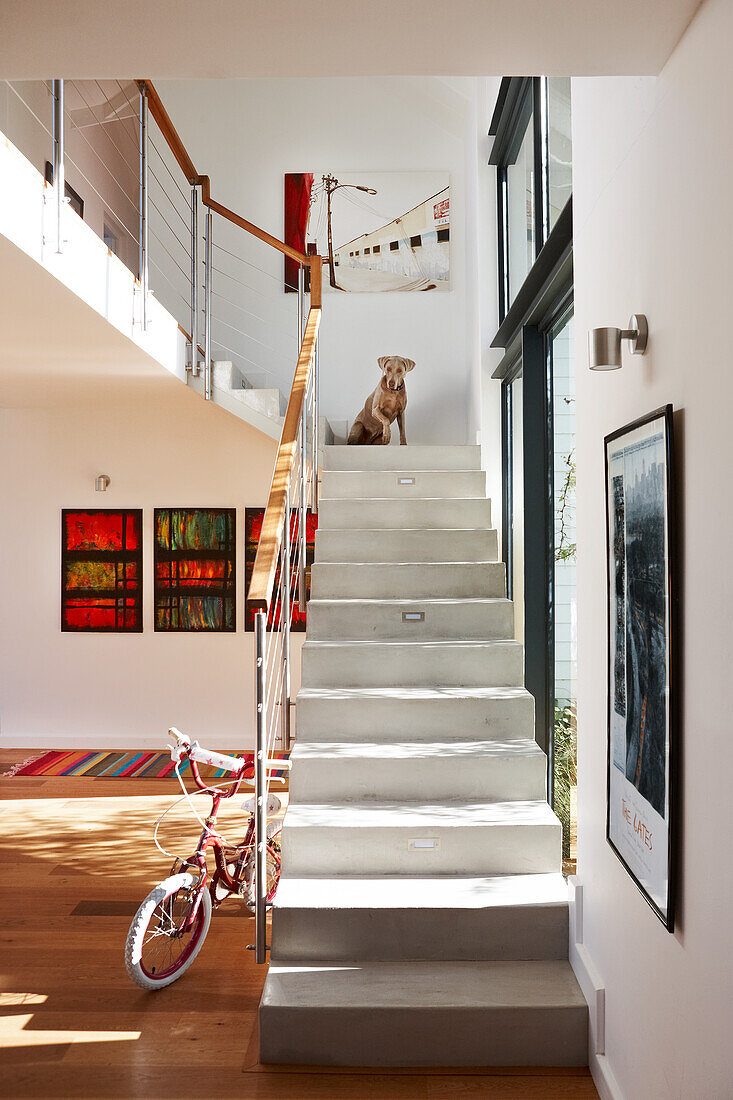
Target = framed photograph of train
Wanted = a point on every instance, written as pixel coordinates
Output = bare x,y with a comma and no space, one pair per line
641,800
380,231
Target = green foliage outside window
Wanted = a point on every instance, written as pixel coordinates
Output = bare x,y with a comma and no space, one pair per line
566,767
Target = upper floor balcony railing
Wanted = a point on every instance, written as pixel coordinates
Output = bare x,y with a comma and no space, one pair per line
110,155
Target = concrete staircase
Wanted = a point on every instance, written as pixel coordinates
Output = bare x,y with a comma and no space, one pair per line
421,917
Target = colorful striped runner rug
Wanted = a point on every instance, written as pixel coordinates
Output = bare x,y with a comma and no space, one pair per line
121,765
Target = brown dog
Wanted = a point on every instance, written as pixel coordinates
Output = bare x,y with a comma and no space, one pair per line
386,404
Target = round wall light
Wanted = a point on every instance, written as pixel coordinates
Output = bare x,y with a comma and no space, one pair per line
604,344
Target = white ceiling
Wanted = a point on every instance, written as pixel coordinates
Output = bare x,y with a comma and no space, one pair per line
240,38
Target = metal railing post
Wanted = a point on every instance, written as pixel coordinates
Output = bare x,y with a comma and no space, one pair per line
207,306
58,160
260,882
301,303
285,716
303,513
144,225
194,281
315,432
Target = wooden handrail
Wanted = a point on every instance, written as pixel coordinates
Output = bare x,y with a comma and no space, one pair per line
249,227
265,566
169,132
176,146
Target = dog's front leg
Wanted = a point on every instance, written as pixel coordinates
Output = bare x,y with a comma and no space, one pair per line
379,415
401,426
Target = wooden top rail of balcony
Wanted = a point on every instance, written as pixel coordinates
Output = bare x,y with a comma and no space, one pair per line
179,151
274,521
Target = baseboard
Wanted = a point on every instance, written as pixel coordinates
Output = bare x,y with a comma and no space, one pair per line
594,991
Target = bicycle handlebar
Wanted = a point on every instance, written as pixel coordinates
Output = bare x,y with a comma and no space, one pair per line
184,745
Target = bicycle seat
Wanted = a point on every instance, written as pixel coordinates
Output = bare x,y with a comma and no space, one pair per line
273,804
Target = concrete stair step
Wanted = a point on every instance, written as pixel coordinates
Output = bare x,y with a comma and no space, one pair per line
387,513
400,581
424,1014
403,484
400,458
413,664
395,620
420,838
501,917
405,545
414,713
334,771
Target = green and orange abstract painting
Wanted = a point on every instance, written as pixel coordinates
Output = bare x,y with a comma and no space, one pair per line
101,570
195,569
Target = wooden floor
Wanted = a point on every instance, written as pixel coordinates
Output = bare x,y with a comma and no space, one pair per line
76,859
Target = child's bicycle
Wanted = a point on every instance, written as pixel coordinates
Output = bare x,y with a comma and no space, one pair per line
170,927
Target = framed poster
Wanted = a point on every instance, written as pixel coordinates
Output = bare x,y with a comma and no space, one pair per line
381,231
253,518
101,570
194,554
640,530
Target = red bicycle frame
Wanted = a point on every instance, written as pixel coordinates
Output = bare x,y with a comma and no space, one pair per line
210,837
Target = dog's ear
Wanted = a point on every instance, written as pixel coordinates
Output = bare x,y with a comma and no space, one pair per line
382,362
409,364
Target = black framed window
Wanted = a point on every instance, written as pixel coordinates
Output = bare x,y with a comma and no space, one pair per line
532,153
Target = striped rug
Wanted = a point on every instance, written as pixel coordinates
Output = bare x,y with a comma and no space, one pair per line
120,765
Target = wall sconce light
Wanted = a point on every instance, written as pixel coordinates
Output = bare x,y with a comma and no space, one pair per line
604,344
102,483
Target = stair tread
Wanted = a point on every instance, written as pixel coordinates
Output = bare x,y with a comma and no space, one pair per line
418,815
422,892
427,693
423,985
413,750
457,643
431,601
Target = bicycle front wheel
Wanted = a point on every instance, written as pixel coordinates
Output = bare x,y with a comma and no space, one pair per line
157,951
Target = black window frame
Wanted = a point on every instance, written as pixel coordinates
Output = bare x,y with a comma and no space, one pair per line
416,240
444,234
394,246
519,99
545,297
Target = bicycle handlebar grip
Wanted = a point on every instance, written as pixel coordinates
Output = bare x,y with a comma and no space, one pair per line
216,759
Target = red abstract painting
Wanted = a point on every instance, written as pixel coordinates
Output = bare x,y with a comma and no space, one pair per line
298,187
101,570
252,529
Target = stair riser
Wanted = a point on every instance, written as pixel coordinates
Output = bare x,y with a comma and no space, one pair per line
506,849
496,933
333,581
397,514
404,485
393,718
479,665
414,1036
335,620
398,458
406,546
440,777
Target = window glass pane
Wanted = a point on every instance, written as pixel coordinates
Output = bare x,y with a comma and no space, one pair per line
560,171
520,213
517,496
565,606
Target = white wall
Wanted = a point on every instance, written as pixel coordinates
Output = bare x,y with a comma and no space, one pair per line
653,173
247,134
161,446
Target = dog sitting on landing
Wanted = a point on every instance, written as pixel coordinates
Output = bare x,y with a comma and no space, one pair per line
385,405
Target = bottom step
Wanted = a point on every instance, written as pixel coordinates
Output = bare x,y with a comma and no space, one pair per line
424,1014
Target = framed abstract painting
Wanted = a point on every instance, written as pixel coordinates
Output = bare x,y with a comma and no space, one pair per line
252,529
101,570
194,553
642,683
